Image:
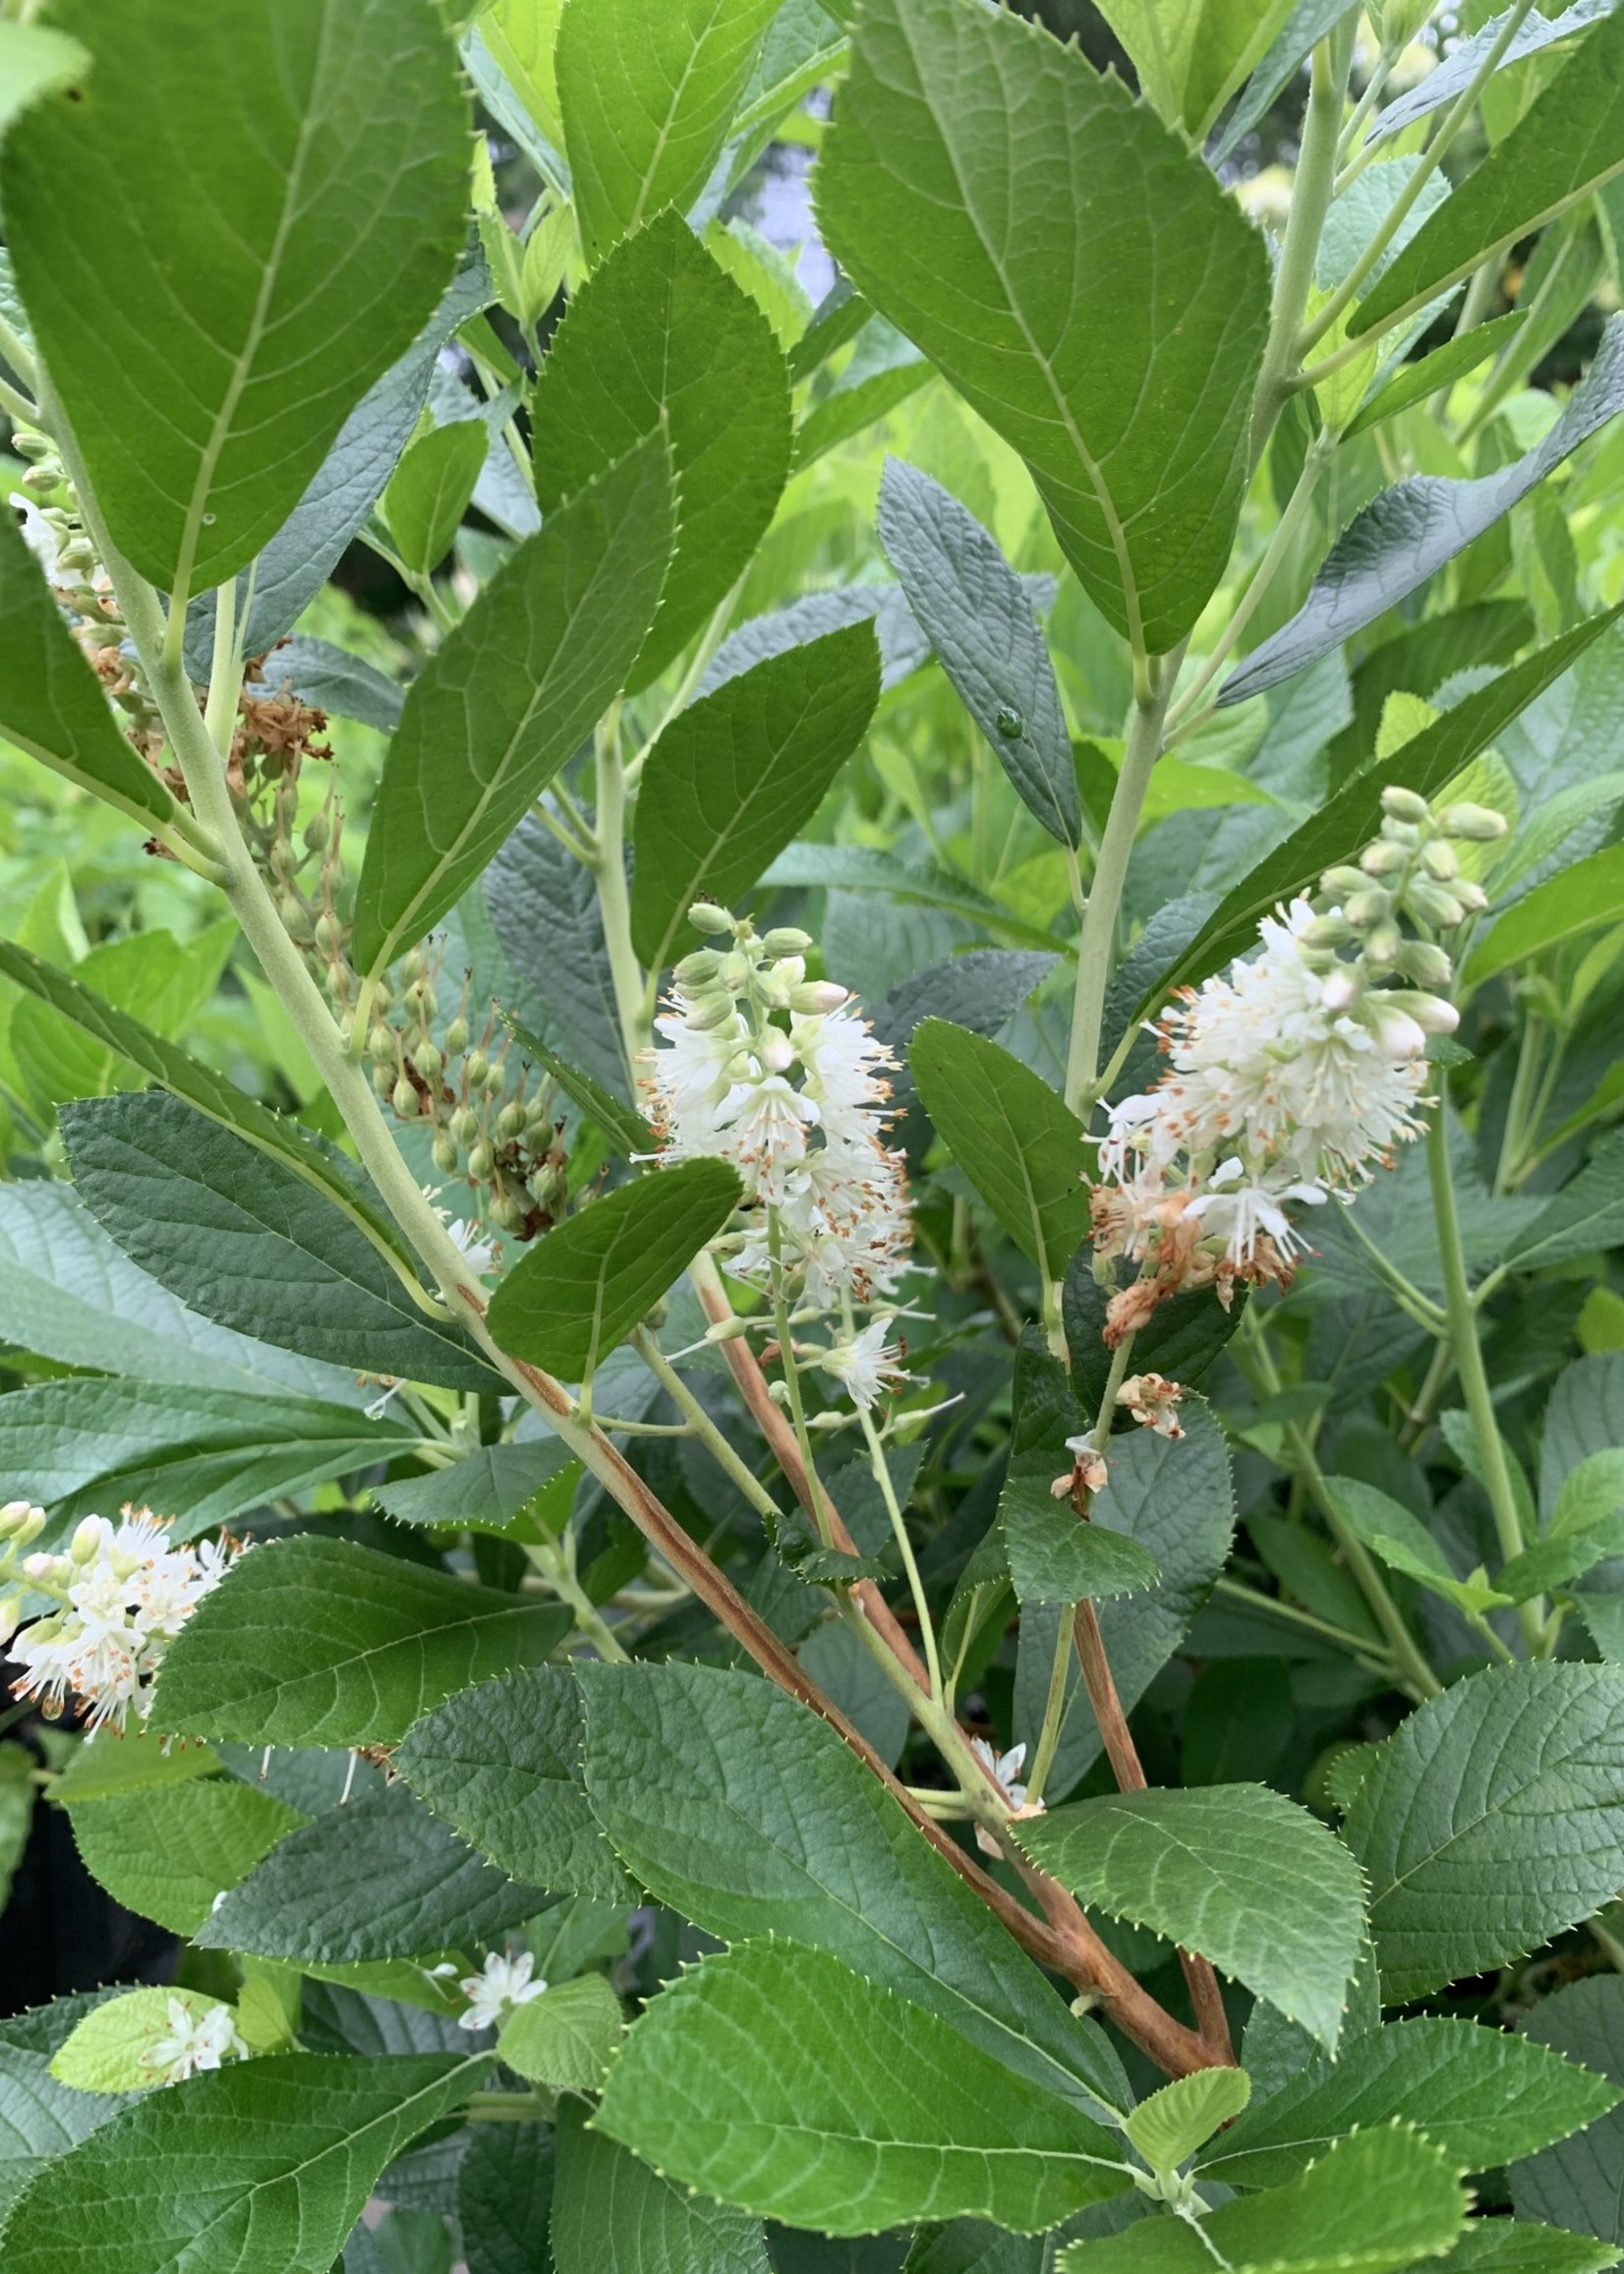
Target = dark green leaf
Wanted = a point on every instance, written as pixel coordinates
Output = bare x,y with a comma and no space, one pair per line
612,2215
904,647
883,372
502,1764
544,907
1466,57
200,431
1410,532
332,680
1132,414
1015,1138
380,1878
660,331
1232,1871
323,1642
485,1490
775,2078
1185,1334
735,775
865,868
1521,2247
262,2167
510,694
1190,55
239,1237
38,2118
580,1290
620,1123
1492,1819
505,2199
1053,1554
1576,2182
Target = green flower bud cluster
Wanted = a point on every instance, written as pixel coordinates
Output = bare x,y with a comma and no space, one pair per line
766,973
21,1524
497,1128
55,534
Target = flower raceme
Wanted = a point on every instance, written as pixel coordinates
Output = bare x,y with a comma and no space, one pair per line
1291,1075
125,1590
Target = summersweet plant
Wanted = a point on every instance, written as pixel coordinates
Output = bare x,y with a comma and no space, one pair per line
813,1399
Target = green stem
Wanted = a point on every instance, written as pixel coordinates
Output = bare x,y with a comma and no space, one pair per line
1469,1365
819,1509
1355,1645
700,1426
1095,948
905,1545
558,1570
1311,193
610,869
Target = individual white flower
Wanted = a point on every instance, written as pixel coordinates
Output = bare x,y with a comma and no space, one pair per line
766,1140
1240,1213
1088,1470
193,2042
845,1071
494,1994
1153,1402
40,538
479,1253
864,1364
1005,1769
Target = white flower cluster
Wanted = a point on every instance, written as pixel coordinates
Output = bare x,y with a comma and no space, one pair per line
783,1078
1289,1076
125,1593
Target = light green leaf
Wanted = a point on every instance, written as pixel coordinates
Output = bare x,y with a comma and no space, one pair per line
1567,142
1191,55
648,96
775,2078
262,2167
509,695
202,430
582,1288
165,1853
35,61
104,2053
1053,1555
660,331
242,1239
52,705
744,1811
567,2038
1575,2181
1404,1543
612,2215
1492,1819
1172,2124
521,35
379,1878
975,612
1377,2203
1132,411
1233,1872
503,1764
737,774
1481,2096
429,490
1579,900
323,1642
1015,1138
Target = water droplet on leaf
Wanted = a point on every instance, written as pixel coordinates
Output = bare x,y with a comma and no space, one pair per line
1010,724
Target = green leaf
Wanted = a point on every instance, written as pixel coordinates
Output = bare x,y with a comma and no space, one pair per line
430,491
323,1642
660,331
200,431
975,612
543,905
211,1092
567,2038
509,695
1568,141
39,2118
1408,533
1575,2181
261,2167
148,975
504,2198
165,1853
648,96
379,1878
1492,1819
239,1237
1184,1337
1016,1140
1233,1872
1404,1543
1427,763
582,1288
484,1490
737,774
1412,382
77,1446
1579,900
52,705
1172,2124
1519,2247
865,868
1133,414
775,2078
883,372
1053,1554
626,1128
744,1811
1586,1215
1481,2096
1308,23
103,2054
613,2215
35,61
1191,55
501,1763
1377,2203
17,1793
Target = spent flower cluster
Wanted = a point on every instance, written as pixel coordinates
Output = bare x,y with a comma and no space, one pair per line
124,1592
1291,1075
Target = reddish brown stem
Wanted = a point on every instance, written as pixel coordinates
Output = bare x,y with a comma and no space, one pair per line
1125,1766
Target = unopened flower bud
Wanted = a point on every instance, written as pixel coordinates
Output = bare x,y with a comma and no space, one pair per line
478,1070
698,969
1384,859
382,1080
1382,943
1328,931
13,1516
403,1097
707,1012
329,932
818,997
1341,881
735,972
1401,833
1431,1013
706,916
508,1213
778,1052
87,1539
428,1061
42,1566
1424,961
1369,905
446,1154
1472,897
1435,904
456,1037
786,940
318,830
465,1124
1396,1032
1438,859
510,1121
1405,804
380,1045
32,1526
481,1161
11,1610
1341,988
1472,820
421,1001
